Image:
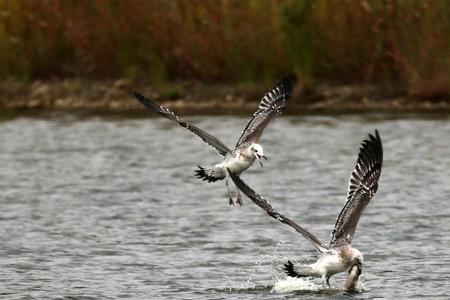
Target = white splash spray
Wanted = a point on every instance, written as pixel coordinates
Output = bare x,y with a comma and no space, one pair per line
291,284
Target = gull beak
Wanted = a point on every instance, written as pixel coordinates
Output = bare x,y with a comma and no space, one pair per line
353,276
259,159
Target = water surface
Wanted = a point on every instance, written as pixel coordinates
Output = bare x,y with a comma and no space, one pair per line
98,208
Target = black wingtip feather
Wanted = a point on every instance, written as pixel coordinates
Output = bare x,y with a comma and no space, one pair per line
289,269
371,152
277,97
141,98
369,163
163,111
287,83
202,173
146,102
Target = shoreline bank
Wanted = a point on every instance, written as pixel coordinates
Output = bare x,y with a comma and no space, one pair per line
116,96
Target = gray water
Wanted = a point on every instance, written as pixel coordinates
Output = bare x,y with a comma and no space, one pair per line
98,208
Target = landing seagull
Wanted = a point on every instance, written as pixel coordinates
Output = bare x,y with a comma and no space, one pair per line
338,255
247,148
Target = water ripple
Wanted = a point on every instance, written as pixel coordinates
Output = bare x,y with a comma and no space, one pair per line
107,209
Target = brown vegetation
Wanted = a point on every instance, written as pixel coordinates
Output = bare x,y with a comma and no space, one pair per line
402,46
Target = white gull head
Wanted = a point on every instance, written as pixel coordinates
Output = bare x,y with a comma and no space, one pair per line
258,152
357,256
355,270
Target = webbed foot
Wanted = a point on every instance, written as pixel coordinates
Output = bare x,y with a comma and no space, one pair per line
239,200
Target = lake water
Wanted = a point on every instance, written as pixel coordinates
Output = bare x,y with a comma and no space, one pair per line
95,208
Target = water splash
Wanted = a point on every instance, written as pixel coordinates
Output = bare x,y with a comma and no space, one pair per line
291,284
261,256
308,285
284,284
361,286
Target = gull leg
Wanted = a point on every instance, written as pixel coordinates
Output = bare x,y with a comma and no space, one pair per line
230,198
326,281
239,198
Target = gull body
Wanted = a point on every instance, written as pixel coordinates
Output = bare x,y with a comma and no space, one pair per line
239,162
336,261
247,149
338,255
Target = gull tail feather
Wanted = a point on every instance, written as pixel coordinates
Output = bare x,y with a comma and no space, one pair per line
210,175
297,272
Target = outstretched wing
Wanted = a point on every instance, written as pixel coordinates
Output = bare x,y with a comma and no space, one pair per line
269,107
264,204
166,113
362,186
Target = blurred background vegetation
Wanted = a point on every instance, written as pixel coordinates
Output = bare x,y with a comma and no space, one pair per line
397,44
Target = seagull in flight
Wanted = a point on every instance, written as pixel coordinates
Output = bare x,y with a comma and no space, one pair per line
247,149
338,255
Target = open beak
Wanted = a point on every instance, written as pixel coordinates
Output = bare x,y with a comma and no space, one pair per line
353,276
259,159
